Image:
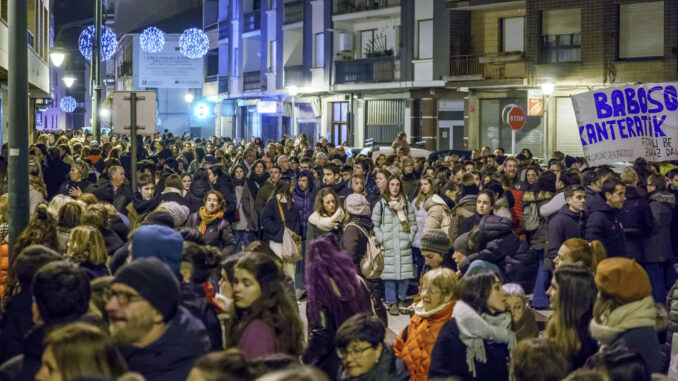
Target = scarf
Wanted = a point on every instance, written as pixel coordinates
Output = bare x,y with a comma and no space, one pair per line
641,313
206,219
399,206
327,223
474,329
420,310
238,182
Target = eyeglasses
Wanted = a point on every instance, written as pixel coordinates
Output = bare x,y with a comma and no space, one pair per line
125,298
354,353
429,291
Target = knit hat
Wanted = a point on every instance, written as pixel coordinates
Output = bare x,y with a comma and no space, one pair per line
154,281
357,205
461,244
178,212
160,242
479,266
435,240
623,279
158,217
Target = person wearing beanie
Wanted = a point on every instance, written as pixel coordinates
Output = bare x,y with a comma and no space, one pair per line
466,207
625,313
354,240
178,212
161,242
157,337
410,178
435,248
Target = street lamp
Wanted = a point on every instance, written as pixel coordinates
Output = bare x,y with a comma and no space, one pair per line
68,79
57,53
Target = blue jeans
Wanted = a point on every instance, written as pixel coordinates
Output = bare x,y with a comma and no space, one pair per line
240,237
662,277
390,288
539,298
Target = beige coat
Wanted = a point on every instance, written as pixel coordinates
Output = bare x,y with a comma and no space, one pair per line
440,217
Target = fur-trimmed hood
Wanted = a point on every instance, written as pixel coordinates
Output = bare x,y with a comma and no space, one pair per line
662,196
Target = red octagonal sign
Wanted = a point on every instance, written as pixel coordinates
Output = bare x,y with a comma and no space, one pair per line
516,117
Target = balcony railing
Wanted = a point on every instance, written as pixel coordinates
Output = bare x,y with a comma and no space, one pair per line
465,65
488,67
294,12
251,81
377,69
351,6
30,38
252,21
223,84
294,75
224,29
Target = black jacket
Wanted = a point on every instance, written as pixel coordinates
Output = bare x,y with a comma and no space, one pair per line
224,185
448,358
218,233
16,321
271,221
353,241
193,297
644,341
562,226
172,356
63,189
636,218
603,225
196,194
658,246
55,172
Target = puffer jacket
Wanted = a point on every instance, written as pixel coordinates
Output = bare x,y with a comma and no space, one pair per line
503,247
440,217
537,238
397,243
658,247
415,343
502,208
603,224
420,214
464,209
636,219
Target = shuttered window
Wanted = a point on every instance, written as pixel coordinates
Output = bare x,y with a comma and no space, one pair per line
641,30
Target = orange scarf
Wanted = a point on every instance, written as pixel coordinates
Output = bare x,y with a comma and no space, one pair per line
207,219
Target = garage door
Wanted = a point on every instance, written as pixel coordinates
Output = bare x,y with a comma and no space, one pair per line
567,131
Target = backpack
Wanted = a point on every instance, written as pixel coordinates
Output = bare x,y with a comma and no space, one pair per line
531,218
372,263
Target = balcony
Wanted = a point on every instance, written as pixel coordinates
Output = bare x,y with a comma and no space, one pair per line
294,12
351,6
251,21
224,29
377,69
30,38
223,84
251,81
487,67
294,75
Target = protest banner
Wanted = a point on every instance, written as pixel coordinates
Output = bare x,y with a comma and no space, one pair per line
624,123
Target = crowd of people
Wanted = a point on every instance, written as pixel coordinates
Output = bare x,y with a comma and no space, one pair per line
202,270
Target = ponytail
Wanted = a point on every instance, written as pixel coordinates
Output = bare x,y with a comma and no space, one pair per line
598,254
589,254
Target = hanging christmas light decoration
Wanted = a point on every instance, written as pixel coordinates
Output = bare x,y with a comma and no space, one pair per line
152,40
68,104
194,43
109,43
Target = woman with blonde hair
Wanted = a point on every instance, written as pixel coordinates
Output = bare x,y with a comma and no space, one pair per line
57,203
580,252
86,247
37,187
426,191
80,351
68,217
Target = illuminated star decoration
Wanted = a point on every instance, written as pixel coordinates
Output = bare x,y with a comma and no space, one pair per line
194,43
68,104
109,43
152,40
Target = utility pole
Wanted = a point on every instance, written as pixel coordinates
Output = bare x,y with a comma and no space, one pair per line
95,73
18,122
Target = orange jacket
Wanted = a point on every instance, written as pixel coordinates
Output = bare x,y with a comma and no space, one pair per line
420,337
4,265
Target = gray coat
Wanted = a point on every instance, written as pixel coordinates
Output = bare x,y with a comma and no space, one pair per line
248,208
397,243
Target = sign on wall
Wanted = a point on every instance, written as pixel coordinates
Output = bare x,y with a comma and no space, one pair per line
624,123
169,69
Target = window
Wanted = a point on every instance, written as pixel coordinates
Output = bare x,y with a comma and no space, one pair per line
561,35
366,42
425,39
319,50
512,32
339,131
641,30
271,56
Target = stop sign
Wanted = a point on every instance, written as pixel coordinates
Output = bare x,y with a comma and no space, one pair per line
516,117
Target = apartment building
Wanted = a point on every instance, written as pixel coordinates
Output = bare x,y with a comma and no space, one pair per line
38,37
502,52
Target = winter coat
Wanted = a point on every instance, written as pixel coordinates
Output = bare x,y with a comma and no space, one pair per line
194,299
537,238
196,194
319,226
644,341
448,358
218,233
467,224
35,197
172,356
54,174
501,246
63,189
247,202
388,368
173,195
224,185
303,201
94,271
603,225
254,183
16,321
111,239
671,307
420,215
397,243
410,185
353,241
415,343
139,208
261,200
563,226
440,217
502,207
4,265
271,221
636,219
464,209
342,189
658,247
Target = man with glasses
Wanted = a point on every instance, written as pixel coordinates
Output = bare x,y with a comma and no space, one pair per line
158,338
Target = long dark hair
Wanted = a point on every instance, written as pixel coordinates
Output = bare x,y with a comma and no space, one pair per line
329,270
274,306
576,294
475,289
282,187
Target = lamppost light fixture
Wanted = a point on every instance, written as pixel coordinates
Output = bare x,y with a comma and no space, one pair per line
189,97
57,54
68,79
548,87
